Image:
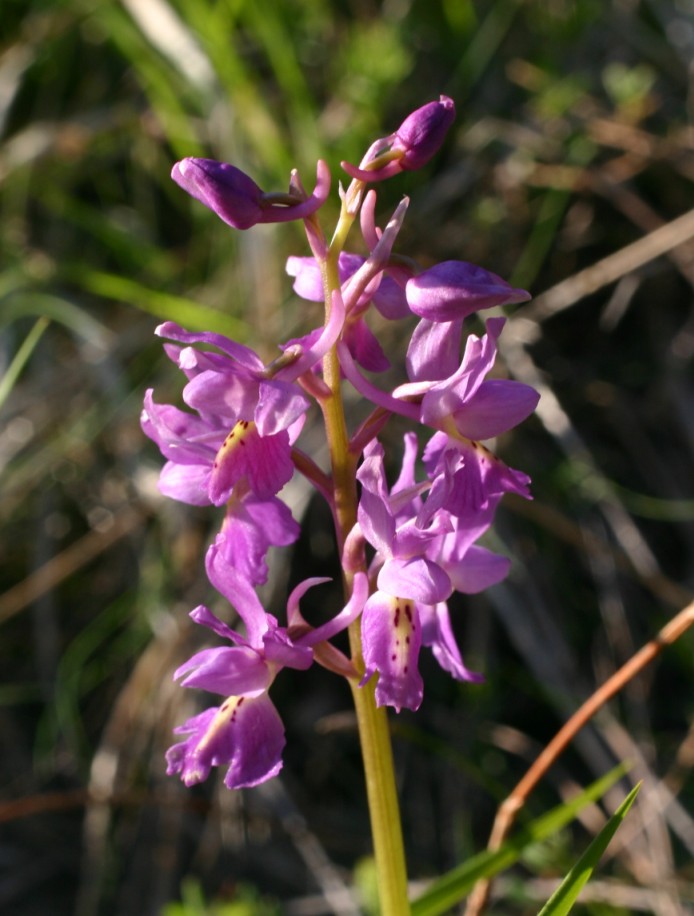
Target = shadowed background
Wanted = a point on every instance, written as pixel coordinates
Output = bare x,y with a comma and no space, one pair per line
568,172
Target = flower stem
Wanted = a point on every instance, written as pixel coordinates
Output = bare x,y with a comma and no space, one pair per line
384,808
374,734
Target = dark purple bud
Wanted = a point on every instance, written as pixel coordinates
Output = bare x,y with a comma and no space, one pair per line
238,200
411,146
453,289
422,133
226,190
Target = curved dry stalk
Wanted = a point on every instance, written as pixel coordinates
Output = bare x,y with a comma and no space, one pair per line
509,808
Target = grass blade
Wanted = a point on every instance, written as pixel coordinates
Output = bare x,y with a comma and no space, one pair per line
451,888
21,357
566,894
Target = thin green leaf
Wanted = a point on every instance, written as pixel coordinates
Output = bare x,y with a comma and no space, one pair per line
186,312
21,357
56,308
172,97
451,888
566,894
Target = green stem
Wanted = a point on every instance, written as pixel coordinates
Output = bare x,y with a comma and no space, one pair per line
382,796
374,734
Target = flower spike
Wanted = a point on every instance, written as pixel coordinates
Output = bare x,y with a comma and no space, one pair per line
405,548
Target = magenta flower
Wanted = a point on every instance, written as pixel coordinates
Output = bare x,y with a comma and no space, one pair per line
248,417
412,145
206,459
235,445
467,402
423,553
391,627
471,477
238,200
246,731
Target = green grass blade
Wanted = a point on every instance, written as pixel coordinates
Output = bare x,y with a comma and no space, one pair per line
566,894
186,312
451,888
21,357
27,302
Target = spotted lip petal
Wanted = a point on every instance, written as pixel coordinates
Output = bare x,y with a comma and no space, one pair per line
391,638
244,732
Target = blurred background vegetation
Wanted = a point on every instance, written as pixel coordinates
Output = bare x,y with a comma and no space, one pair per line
569,171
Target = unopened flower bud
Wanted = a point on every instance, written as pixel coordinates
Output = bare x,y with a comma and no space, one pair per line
422,133
412,145
454,289
238,200
226,190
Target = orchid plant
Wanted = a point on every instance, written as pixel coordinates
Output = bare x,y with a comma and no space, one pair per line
405,547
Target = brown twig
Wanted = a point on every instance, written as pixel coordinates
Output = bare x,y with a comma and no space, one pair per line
509,808
661,241
67,562
69,799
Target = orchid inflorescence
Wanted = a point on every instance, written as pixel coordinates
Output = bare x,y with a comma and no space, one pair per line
239,444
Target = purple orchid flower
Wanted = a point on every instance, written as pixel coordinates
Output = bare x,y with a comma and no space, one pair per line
246,731
422,555
466,402
248,417
238,200
463,404
471,477
206,460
